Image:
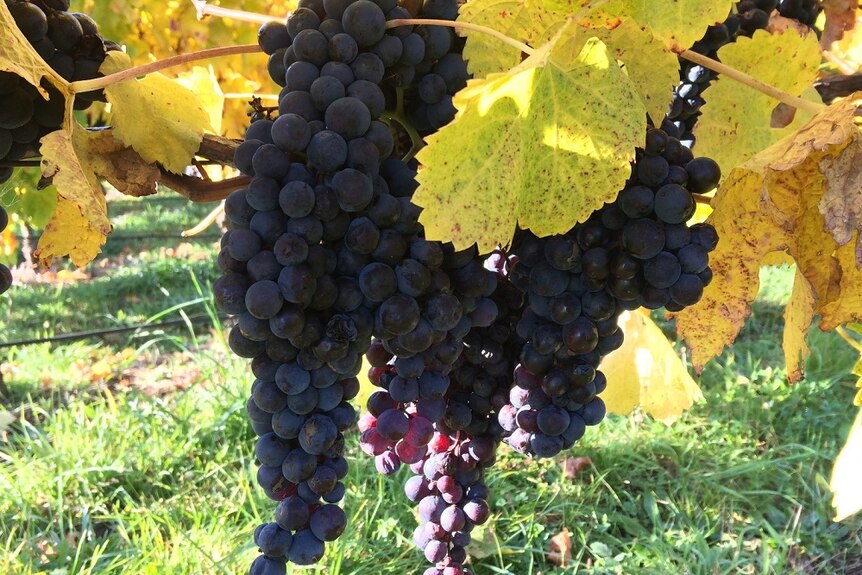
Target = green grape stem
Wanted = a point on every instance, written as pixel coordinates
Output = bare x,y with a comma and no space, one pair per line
138,71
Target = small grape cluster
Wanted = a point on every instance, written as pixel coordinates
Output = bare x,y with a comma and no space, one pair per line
69,42
748,17
5,273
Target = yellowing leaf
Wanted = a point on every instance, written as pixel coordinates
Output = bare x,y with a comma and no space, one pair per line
19,57
733,128
543,146
156,116
525,20
841,205
653,69
69,233
75,160
846,493
203,82
647,371
770,204
76,182
797,319
678,23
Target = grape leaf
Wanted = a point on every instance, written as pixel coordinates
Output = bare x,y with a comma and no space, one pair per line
840,18
647,371
156,29
771,204
525,20
653,69
731,128
846,495
21,196
841,205
155,115
798,316
69,233
19,57
678,24
543,145
74,159
203,82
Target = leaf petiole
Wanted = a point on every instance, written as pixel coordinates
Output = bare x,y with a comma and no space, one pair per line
751,82
462,26
138,71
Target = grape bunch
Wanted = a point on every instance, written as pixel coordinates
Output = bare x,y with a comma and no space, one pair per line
748,17
325,262
805,11
5,273
71,45
325,251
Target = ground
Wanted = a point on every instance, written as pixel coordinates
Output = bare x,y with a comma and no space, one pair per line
132,454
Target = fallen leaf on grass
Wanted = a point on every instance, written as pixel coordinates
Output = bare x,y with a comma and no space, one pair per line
573,466
560,548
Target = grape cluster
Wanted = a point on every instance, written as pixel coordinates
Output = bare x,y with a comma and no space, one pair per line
325,252
5,274
748,17
70,43
325,261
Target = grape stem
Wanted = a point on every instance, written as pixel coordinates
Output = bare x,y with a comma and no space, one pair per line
201,191
137,71
206,222
205,9
751,82
852,341
526,49
702,199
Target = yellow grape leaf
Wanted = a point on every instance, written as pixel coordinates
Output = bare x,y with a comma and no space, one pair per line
846,493
525,20
653,69
736,121
798,316
75,159
841,205
75,181
678,24
203,82
840,17
770,204
19,57
159,30
69,233
543,145
647,371
156,116
779,258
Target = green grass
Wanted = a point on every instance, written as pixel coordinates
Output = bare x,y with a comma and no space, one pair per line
109,480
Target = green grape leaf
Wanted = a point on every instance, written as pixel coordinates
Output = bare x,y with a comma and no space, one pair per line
19,57
543,146
770,204
21,196
679,23
525,20
731,128
156,116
